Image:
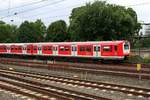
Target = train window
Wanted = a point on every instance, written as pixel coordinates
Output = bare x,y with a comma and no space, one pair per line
97,48
62,48
45,48
107,48
74,48
88,49
126,46
39,48
82,48
67,49
34,48
28,48
54,48
49,48
19,48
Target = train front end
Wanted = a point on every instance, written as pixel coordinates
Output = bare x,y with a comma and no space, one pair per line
126,48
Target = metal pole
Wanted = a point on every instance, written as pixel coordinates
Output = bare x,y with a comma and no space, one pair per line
139,45
140,75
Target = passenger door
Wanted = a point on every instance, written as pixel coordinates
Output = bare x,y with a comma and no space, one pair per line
96,50
39,50
74,50
8,49
55,50
24,49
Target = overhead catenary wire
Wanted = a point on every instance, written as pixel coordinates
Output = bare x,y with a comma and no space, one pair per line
49,17
53,11
31,9
74,5
21,6
24,11
140,4
32,3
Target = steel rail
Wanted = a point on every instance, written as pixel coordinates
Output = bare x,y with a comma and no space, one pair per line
67,93
99,85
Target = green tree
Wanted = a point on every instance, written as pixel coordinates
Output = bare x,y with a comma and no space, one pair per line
57,32
31,31
25,33
102,21
7,32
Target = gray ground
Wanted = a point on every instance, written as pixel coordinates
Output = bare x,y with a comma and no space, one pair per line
100,77
7,95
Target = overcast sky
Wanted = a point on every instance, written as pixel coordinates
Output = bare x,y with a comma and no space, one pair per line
51,10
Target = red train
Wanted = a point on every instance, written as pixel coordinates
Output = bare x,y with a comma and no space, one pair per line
98,49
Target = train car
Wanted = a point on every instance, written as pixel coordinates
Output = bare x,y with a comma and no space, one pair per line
96,49
15,49
64,49
3,48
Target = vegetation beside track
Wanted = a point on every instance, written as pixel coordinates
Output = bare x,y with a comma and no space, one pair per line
138,59
147,59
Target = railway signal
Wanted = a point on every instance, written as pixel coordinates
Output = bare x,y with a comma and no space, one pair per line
138,68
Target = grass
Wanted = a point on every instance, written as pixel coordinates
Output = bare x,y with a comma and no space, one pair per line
138,59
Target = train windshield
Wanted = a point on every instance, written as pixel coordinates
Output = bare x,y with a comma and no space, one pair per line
126,46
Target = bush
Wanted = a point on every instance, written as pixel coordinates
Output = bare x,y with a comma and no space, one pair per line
147,59
135,59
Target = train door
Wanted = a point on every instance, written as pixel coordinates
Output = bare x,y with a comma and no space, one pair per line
8,49
55,50
74,50
96,50
24,49
39,50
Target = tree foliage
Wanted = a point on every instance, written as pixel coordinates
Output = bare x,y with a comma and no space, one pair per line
92,22
31,31
7,32
57,31
102,21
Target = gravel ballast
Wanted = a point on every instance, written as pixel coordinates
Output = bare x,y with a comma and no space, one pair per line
98,77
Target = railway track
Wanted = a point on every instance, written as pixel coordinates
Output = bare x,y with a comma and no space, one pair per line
26,90
45,89
125,70
88,65
129,90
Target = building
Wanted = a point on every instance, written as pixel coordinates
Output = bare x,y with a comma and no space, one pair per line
145,31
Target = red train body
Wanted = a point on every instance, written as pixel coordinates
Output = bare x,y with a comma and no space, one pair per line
99,49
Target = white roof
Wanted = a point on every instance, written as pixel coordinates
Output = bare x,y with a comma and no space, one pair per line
55,43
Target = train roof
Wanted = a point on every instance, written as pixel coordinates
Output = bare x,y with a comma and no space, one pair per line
55,43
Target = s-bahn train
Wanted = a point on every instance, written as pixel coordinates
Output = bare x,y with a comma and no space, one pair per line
111,50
